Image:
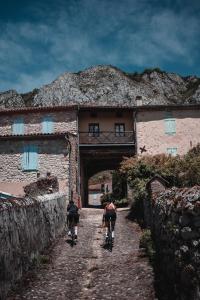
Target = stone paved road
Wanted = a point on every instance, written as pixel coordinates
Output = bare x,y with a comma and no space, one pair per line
88,271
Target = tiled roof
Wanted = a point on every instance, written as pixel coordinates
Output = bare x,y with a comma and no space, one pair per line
83,107
35,135
14,110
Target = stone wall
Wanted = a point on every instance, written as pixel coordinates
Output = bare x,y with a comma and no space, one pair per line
151,131
176,233
27,227
62,121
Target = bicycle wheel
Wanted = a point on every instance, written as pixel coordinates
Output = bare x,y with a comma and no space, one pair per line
73,236
110,241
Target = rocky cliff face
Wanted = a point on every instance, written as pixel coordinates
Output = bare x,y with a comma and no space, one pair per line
107,85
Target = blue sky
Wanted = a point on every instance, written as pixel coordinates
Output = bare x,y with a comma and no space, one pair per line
39,40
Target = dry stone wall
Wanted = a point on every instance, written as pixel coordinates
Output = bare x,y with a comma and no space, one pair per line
27,227
176,232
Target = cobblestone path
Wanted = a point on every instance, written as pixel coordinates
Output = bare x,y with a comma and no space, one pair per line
88,271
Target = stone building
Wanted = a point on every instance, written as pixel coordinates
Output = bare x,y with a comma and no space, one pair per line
35,141
75,142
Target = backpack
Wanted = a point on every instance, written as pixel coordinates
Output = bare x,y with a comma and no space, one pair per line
73,209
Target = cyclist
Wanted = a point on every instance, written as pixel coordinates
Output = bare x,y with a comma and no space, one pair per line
72,216
110,212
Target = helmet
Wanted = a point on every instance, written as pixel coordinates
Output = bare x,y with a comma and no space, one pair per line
110,199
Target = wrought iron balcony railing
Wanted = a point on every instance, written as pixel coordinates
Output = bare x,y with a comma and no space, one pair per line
106,137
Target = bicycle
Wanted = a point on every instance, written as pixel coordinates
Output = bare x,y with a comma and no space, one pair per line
109,239
71,227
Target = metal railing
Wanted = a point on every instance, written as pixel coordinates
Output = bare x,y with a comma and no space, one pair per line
106,137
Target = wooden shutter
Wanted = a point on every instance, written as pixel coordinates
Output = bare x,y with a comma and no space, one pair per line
170,123
172,151
47,125
18,126
30,158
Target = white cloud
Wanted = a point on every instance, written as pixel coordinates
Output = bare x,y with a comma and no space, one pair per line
89,32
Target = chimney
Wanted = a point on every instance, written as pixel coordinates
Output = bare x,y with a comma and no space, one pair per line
138,100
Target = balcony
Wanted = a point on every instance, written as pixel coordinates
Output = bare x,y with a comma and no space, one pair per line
106,137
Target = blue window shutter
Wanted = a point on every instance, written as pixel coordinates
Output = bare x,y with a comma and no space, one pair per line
25,158
33,157
172,151
47,125
30,158
168,115
170,126
18,126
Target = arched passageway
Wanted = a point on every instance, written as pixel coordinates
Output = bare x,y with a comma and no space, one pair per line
96,159
98,185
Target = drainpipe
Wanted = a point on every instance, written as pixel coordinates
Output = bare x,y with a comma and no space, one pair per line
78,161
69,146
135,129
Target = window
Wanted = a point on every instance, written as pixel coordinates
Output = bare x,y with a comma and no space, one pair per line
93,129
170,124
47,125
30,158
119,129
172,151
18,126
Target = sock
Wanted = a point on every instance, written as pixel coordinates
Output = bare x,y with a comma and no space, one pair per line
113,234
76,230
106,232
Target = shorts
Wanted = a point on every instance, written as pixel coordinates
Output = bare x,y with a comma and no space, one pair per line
73,218
111,215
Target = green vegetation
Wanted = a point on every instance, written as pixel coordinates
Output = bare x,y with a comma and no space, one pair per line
118,195
40,260
138,76
146,242
118,202
101,177
192,86
178,171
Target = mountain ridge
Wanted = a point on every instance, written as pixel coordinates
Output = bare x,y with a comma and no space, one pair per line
108,85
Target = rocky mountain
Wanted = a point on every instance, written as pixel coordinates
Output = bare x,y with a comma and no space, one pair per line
107,85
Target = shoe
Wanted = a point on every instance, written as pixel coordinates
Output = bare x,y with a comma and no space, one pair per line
75,237
69,233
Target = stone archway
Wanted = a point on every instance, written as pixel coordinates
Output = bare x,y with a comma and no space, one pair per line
96,159
99,184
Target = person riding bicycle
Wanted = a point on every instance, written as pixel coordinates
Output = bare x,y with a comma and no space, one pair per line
110,213
72,217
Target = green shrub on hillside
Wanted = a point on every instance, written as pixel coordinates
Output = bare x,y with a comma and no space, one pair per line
118,202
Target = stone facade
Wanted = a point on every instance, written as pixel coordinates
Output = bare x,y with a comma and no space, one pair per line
28,226
151,130
146,123
62,121
53,153
51,158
